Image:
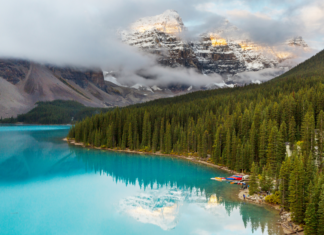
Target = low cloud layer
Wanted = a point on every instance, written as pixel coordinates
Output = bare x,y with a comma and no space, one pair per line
162,76
258,76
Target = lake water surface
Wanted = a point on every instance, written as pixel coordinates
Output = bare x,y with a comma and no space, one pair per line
50,187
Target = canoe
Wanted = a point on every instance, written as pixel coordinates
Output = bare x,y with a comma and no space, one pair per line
218,178
237,178
230,178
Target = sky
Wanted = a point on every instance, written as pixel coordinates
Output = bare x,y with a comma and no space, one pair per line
83,32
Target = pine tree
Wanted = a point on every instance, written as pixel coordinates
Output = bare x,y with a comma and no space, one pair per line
228,149
130,137
296,191
217,146
97,139
168,138
283,131
284,185
320,213
155,137
149,135
263,180
292,131
308,126
311,216
253,143
253,188
204,144
234,150
320,137
238,161
145,130
124,137
280,148
162,136
262,145
271,152
110,136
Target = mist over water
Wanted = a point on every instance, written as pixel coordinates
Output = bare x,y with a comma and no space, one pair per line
49,187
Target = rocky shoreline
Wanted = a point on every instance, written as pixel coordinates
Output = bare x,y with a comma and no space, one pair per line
286,224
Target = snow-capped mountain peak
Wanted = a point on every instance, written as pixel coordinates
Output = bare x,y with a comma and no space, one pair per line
168,22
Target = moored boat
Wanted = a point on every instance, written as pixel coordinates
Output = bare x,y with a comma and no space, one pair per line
219,178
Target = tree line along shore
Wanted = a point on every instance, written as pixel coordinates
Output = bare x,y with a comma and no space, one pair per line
247,129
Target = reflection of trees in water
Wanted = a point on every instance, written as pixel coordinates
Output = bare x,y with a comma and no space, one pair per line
160,172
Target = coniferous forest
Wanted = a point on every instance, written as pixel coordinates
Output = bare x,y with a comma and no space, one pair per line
55,112
247,129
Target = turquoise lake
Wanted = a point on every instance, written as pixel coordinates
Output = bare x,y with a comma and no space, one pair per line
50,187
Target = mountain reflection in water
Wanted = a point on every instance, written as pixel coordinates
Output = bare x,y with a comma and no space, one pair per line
169,189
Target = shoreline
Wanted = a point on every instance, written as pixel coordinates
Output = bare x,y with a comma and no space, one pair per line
192,159
285,216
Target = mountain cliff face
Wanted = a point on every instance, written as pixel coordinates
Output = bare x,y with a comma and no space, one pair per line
23,84
211,53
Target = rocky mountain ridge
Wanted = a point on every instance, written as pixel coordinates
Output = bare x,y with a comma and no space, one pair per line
212,52
24,83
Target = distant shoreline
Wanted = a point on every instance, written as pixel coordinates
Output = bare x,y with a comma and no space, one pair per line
31,124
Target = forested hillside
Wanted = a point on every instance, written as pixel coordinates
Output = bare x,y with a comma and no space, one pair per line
245,129
55,112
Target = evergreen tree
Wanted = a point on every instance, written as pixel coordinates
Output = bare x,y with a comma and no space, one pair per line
130,137
296,192
97,139
320,213
292,131
168,138
271,152
228,149
280,148
311,221
155,137
262,143
253,188
162,135
284,185
110,136
238,161
263,180
308,132
320,137
204,144
217,146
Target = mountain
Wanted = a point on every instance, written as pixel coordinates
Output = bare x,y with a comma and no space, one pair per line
24,83
218,51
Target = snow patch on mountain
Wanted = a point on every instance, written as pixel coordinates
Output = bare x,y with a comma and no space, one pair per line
156,88
168,22
217,85
142,87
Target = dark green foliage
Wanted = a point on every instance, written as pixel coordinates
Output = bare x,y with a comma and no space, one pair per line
311,220
253,180
296,194
56,112
320,213
284,178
